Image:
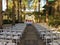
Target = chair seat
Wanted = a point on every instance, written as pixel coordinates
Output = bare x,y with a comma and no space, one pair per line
11,44
16,37
53,43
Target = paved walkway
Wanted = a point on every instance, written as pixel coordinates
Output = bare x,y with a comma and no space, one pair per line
31,37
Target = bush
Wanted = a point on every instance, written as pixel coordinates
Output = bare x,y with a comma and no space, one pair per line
43,17
16,21
54,21
7,22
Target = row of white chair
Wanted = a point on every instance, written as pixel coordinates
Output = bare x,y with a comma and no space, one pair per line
11,33
47,35
4,43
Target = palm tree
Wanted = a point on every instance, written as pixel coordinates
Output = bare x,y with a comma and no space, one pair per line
24,6
58,7
1,17
39,5
47,11
7,10
7,4
18,10
39,10
20,15
13,13
34,6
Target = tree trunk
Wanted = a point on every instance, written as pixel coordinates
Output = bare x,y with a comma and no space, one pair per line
7,4
1,17
39,11
59,6
13,13
39,5
18,11
20,16
24,11
47,11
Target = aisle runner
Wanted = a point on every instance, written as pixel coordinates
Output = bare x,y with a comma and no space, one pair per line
31,37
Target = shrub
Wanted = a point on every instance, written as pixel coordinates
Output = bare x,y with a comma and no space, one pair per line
54,21
7,22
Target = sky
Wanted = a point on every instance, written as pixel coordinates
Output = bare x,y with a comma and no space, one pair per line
3,5
42,3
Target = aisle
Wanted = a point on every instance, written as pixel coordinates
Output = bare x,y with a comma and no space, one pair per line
31,37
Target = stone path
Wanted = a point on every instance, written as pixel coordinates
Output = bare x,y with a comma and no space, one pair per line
31,37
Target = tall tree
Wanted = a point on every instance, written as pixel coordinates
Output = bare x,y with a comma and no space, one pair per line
18,11
47,11
20,15
55,8
1,17
58,8
35,4
24,6
39,5
7,10
13,13
39,10
7,4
